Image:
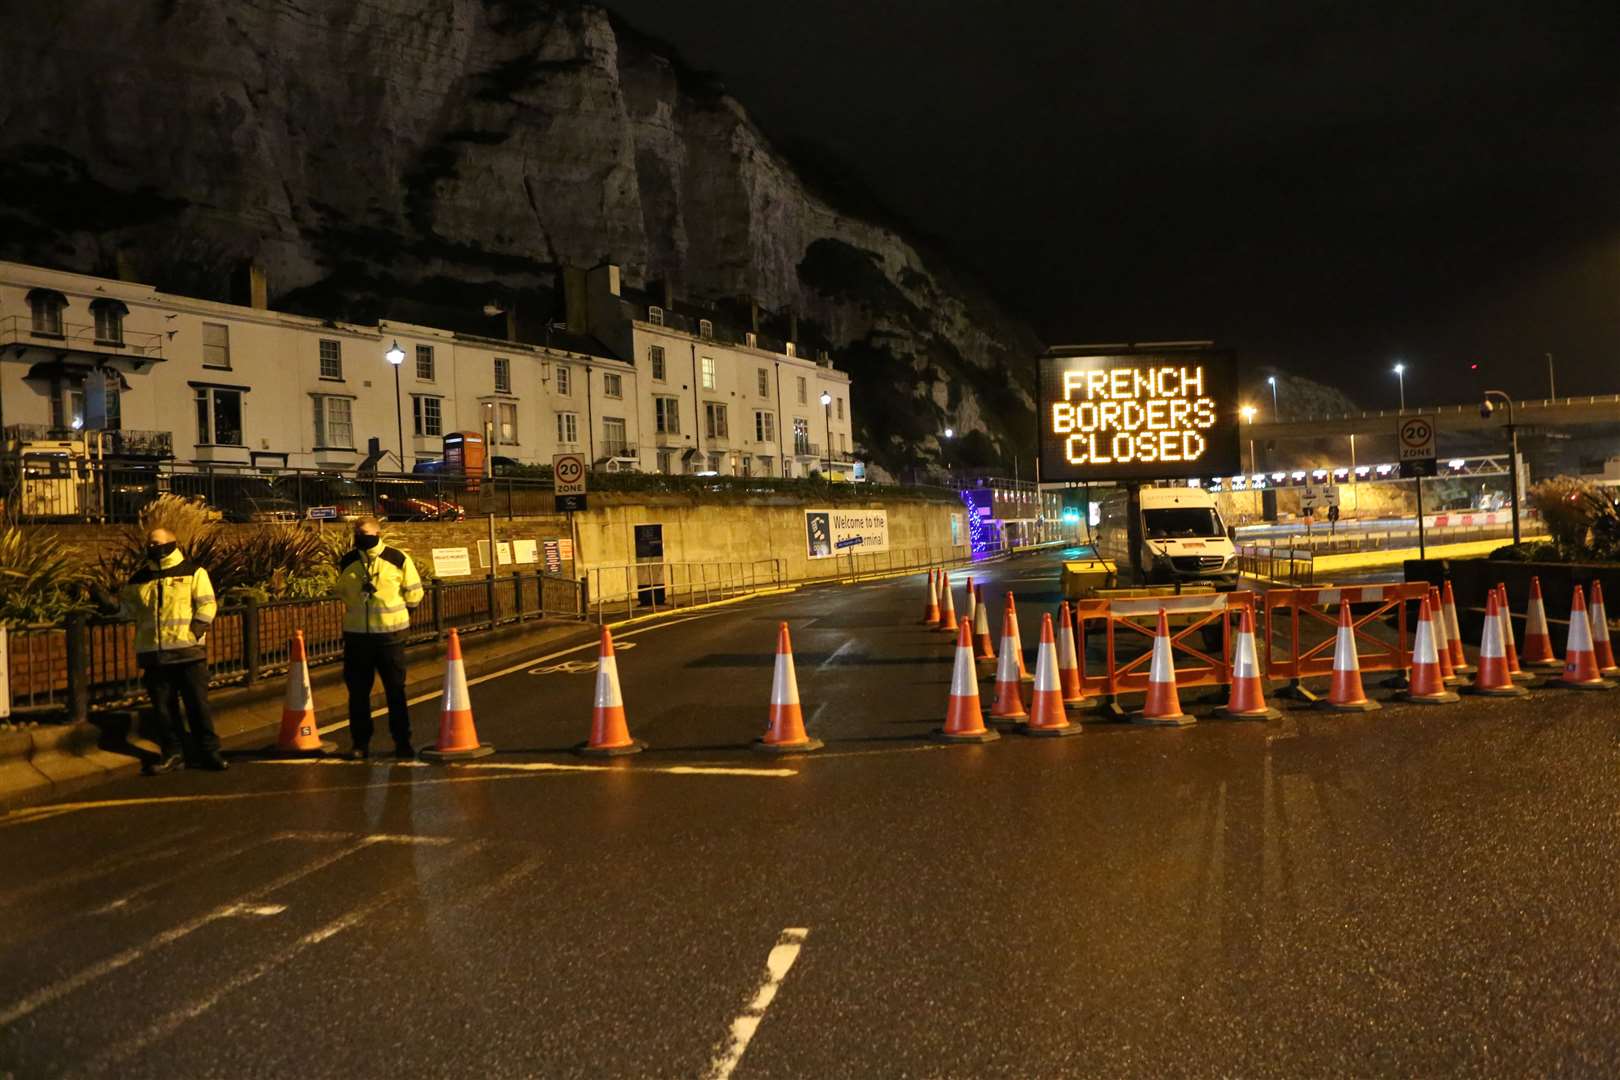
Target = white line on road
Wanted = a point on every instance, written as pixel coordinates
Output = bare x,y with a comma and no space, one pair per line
835,654
555,766
781,958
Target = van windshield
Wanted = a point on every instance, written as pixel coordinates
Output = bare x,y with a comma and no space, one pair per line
1181,521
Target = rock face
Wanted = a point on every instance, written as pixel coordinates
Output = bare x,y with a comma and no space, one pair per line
453,150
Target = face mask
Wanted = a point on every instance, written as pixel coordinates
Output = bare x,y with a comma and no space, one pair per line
366,541
158,552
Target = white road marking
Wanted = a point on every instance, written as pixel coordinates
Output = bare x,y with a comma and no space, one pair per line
133,856
139,891
836,653
557,766
777,964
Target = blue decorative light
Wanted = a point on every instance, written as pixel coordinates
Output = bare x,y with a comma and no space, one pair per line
978,538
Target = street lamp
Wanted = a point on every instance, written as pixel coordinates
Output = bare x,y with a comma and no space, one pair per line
826,408
1400,373
1248,413
1275,415
1486,408
396,356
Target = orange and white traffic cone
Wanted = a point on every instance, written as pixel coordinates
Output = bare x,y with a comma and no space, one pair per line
785,733
1018,642
458,737
1459,658
963,720
1598,615
1009,703
1442,639
985,648
1427,684
931,605
972,602
1346,693
1046,715
610,734
299,735
1580,662
1163,704
1248,700
1494,679
1070,679
947,604
1508,646
1538,650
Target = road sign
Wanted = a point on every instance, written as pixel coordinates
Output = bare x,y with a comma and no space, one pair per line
568,474
570,503
1414,442
322,513
849,542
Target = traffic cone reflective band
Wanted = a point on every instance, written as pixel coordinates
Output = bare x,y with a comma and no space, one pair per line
947,604
1346,693
458,738
1046,715
963,720
1248,701
1009,703
1018,642
1538,650
1459,658
931,605
1442,639
1427,686
610,735
1068,661
299,734
1580,662
1508,647
785,733
986,649
1598,615
1493,679
1163,704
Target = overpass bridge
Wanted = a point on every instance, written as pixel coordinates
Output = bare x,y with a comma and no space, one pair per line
1533,413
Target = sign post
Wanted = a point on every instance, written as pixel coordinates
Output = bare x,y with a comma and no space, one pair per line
568,490
1414,440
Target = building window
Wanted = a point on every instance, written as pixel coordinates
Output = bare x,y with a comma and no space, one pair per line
655,354
667,411
764,466
801,436
567,427
716,462
506,411
503,376
219,416
664,458
564,381
47,306
426,418
714,419
614,442
707,368
803,391
764,427
764,382
424,363
791,349
68,408
843,442
612,386
109,316
334,423
840,408
655,315
705,329
216,339
331,359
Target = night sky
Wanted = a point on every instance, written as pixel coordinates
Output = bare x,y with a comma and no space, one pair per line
1324,187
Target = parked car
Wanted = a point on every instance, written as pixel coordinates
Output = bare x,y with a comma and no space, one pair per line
259,499
351,498
417,506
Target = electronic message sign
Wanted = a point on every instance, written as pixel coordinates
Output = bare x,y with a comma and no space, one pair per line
1147,415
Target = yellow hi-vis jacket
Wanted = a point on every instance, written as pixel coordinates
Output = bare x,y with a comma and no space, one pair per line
395,589
172,604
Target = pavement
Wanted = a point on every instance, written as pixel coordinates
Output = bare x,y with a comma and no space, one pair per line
1415,891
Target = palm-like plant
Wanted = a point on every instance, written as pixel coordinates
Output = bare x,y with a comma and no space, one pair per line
40,580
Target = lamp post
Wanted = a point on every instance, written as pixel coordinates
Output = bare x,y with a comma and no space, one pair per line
1400,373
1275,415
826,408
1486,408
1248,412
396,356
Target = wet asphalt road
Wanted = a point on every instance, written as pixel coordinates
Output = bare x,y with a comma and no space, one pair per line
1408,892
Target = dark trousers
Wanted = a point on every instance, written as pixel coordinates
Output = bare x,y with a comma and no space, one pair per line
365,658
170,685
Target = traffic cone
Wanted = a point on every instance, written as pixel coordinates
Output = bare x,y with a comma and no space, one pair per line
1427,684
1508,647
458,738
1070,679
1494,679
1598,615
981,630
1442,639
947,605
972,601
1009,703
610,735
1538,650
931,605
1163,704
1018,642
1248,700
1580,662
963,720
299,736
1046,715
785,734
1459,658
1346,694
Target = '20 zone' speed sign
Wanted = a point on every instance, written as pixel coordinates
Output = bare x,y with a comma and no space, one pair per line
1414,442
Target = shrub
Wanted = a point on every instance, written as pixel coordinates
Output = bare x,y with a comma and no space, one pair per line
40,580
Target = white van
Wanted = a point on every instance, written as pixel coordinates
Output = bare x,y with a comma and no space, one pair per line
1166,536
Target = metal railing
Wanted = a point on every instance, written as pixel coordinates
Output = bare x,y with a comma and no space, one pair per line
80,337
1294,566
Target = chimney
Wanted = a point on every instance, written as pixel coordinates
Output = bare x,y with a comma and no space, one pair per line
576,303
793,326
124,266
669,293
511,321
250,287
753,315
